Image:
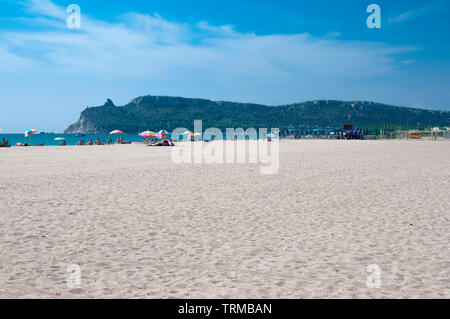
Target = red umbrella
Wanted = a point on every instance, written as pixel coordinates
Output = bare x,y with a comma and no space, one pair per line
161,136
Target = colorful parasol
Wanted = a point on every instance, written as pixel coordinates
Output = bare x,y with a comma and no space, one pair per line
147,134
30,132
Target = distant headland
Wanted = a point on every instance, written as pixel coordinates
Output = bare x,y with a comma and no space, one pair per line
154,112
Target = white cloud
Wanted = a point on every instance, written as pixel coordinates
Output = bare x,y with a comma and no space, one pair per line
45,7
414,14
402,17
148,46
224,30
12,62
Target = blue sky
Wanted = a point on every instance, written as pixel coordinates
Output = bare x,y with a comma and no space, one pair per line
262,51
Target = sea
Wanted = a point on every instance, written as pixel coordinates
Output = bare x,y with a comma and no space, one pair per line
51,139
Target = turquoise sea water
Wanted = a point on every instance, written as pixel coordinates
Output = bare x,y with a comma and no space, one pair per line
71,139
49,139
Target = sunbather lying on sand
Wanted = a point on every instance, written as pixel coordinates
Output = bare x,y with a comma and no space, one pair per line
163,143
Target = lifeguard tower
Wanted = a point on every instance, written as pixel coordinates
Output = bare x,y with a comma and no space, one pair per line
348,124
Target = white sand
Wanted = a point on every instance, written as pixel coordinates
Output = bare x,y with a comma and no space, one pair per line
226,231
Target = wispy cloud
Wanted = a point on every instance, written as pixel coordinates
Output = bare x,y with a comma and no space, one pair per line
416,13
44,7
149,46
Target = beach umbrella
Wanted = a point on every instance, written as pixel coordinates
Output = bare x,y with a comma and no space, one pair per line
161,136
271,135
115,132
80,135
30,132
147,134
163,132
60,139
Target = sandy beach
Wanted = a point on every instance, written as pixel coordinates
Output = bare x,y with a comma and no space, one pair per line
140,226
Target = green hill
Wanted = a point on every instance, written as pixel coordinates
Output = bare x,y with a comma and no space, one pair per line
161,112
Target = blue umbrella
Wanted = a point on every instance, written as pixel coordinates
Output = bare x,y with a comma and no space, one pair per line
80,135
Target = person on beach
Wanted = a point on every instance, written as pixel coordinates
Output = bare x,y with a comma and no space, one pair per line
90,142
98,142
80,143
63,143
4,143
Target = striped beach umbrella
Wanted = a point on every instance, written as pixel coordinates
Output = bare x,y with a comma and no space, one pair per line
147,134
161,136
30,132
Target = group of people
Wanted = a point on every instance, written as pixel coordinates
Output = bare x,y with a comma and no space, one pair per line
99,142
155,142
4,143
